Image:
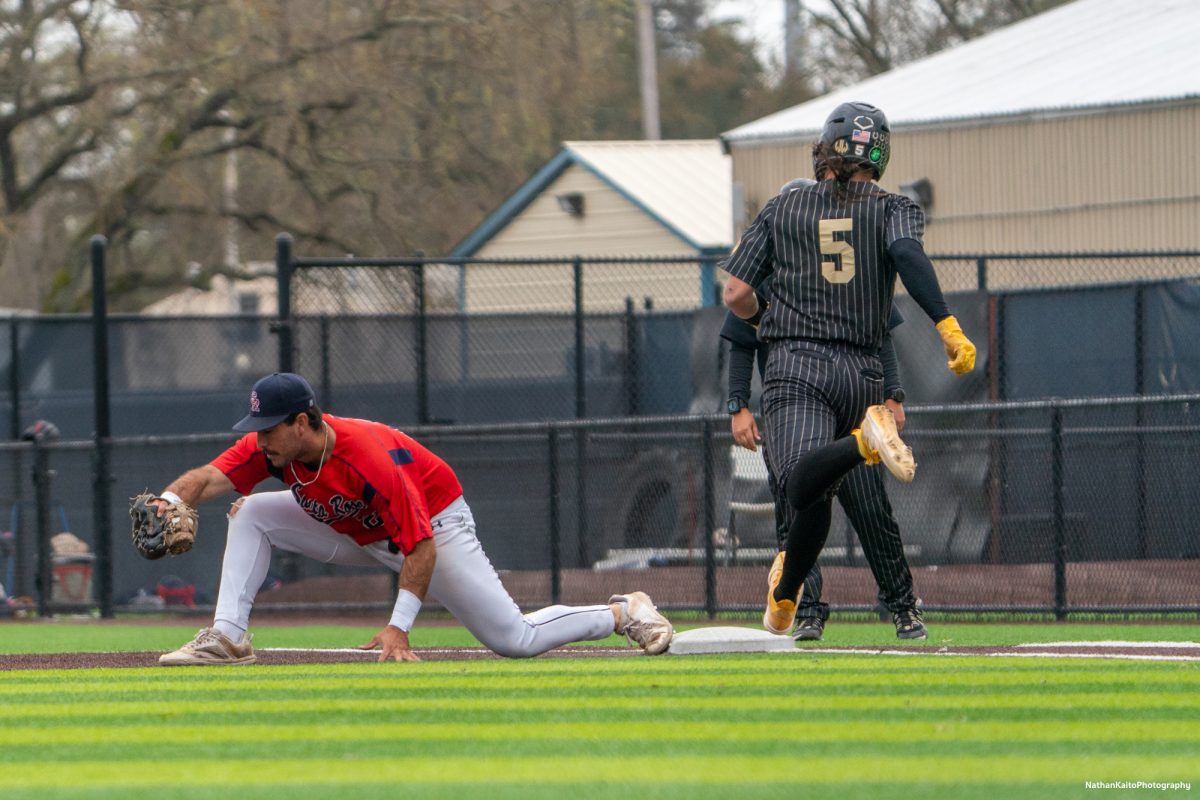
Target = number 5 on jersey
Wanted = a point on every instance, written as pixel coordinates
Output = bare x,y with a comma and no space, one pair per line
843,251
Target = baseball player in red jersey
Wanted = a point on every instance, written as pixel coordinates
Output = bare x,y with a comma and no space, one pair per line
363,494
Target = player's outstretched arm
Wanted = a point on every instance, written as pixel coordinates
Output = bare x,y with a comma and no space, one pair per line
916,271
199,485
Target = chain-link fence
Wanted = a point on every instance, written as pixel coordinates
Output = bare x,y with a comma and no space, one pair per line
359,335
497,340
575,486
1065,507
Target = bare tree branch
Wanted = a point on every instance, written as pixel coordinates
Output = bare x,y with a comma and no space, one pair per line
256,220
949,10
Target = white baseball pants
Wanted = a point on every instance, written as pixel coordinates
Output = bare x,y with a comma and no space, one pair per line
463,579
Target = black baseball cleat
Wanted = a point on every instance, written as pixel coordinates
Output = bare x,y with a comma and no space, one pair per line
809,629
909,624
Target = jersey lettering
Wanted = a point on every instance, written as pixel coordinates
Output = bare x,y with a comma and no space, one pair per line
841,269
824,252
339,508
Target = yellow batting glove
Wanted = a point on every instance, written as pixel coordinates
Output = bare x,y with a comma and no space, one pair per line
958,347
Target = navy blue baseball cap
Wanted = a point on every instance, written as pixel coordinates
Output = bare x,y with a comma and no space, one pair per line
274,399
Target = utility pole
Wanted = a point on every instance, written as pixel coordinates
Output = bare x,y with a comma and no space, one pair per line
648,71
233,258
793,38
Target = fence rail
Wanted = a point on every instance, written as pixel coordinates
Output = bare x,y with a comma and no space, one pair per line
568,511
1053,498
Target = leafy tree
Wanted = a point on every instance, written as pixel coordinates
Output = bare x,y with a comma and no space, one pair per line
371,127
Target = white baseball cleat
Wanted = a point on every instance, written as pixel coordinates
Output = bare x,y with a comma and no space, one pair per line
879,430
210,648
642,624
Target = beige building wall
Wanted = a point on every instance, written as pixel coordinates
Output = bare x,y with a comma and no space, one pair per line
611,225
1116,180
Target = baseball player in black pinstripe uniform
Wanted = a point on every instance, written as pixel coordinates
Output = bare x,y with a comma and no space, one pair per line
832,254
861,494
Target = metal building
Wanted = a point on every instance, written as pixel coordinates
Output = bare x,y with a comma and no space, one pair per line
1072,131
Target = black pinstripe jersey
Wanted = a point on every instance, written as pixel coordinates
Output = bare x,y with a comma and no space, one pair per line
825,252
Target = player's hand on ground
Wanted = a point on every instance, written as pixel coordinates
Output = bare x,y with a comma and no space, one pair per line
393,644
897,412
959,349
745,429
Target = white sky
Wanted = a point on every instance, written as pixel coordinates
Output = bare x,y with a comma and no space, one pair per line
762,20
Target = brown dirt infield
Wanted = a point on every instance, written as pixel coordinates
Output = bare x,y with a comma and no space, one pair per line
1168,651
280,657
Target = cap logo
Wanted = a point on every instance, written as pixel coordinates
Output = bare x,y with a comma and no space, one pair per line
255,405
864,123
840,147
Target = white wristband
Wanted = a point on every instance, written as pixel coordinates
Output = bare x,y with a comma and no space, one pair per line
171,497
407,606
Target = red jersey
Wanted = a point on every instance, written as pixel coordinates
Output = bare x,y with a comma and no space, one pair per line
377,484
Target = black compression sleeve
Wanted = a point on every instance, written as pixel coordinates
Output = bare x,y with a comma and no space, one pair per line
891,365
741,369
916,270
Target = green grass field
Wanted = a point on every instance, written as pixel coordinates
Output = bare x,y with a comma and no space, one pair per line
736,726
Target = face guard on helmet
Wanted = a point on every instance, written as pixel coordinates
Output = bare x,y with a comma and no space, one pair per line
855,133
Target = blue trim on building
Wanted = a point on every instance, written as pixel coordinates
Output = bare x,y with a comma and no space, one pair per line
514,205
708,276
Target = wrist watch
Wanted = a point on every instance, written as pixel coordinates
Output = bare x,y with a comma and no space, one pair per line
735,405
896,394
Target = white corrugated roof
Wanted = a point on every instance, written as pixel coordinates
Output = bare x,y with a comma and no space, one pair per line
1087,54
687,184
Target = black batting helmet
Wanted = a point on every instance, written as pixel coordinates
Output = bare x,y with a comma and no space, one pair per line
856,133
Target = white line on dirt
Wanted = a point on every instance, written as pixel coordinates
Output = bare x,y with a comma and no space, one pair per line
915,651
1014,654
1183,645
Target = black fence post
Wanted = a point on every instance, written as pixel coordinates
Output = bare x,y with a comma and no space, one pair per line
1139,355
580,354
1060,533
14,378
555,529
289,563
283,323
581,515
421,343
999,448
709,518
41,433
20,554
632,360
326,366
580,412
41,495
981,274
102,478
